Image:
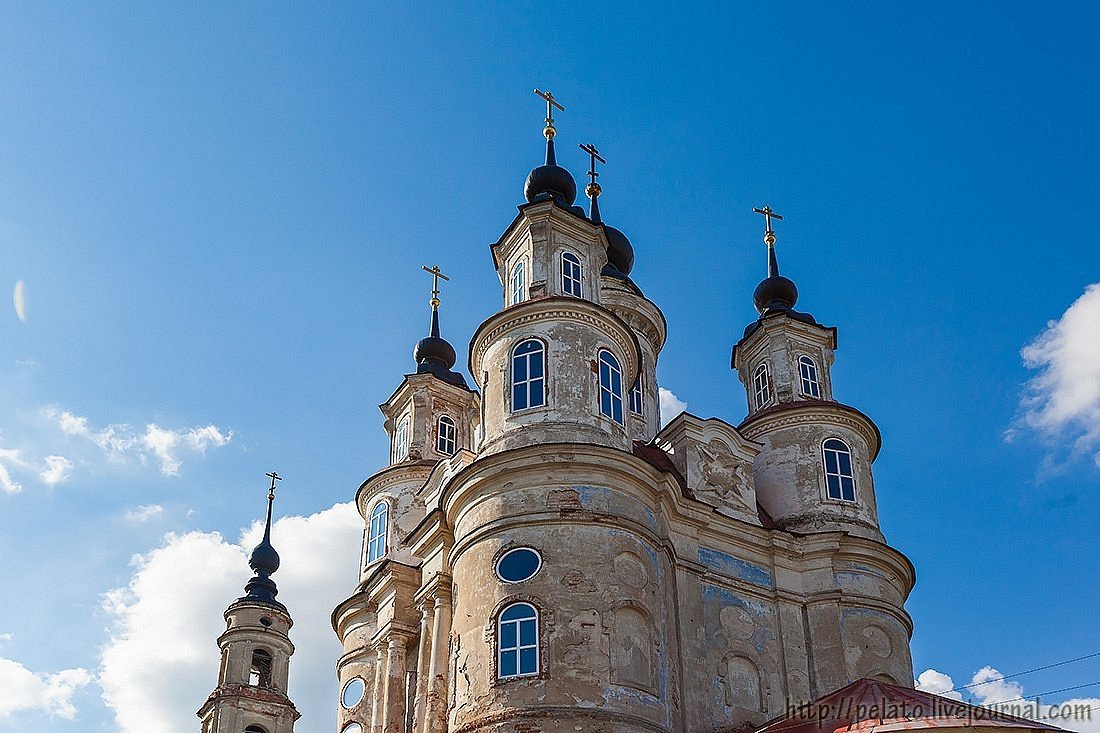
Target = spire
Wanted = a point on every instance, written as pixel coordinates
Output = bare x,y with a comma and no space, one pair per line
265,560
775,292
550,179
434,355
593,189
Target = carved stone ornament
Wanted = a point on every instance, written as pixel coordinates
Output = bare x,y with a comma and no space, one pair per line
723,473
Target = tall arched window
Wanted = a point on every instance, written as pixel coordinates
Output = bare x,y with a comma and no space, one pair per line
519,293
446,441
528,375
636,397
518,641
807,370
611,386
401,441
570,274
376,534
762,385
840,482
259,675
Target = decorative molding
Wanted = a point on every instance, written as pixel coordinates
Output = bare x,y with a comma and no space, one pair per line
813,415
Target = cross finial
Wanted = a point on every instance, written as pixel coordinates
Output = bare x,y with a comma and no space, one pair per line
436,273
593,189
274,476
551,103
769,235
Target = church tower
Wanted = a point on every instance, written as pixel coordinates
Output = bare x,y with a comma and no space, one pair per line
251,696
816,472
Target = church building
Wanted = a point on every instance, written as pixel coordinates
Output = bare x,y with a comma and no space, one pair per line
541,554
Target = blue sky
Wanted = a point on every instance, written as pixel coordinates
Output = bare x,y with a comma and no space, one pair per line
219,215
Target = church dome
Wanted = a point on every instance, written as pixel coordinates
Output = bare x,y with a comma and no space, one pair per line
620,253
264,560
434,349
775,293
551,178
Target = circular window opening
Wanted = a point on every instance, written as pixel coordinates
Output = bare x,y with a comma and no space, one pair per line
352,728
518,565
353,692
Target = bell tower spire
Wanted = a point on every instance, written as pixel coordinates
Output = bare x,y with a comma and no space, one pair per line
255,649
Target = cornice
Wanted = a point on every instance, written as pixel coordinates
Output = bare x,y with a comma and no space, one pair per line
812,412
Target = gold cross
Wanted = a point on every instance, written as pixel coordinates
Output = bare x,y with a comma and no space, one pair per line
436,273
769,235
274,476
594,156
551,103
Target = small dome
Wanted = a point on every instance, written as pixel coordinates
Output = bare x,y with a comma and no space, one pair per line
264,560
551,179
433,348
620,253
775,293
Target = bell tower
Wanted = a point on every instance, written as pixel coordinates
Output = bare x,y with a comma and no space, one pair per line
251,695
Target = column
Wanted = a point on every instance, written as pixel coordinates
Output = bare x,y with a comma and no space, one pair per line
437,671
423,662
394,713
376,720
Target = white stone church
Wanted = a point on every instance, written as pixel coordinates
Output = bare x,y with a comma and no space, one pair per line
542,555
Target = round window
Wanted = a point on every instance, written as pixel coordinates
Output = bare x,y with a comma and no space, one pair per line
352,728
518,565
353,692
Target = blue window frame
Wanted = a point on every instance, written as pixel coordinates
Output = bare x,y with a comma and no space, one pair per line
636,398
519,294
611,387
807,371
446,437
376,534
518,641
840,482
528,375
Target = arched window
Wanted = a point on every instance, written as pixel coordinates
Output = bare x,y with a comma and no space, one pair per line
518,277
636,398
840,482
254,729
570,274
762,385
376,535
446,442
401,441
260,673
518,641
611,387
807,370
528,375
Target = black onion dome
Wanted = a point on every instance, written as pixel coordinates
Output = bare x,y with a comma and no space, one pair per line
550,178
264,560
433,349
620,253
775,293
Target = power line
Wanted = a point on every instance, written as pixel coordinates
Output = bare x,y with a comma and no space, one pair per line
1040,694
1021,674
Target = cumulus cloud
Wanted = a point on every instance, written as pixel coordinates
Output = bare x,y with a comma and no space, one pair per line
9,457
23,690
55,470
670,404
121,441
987,687
1063,399
162,660
144,513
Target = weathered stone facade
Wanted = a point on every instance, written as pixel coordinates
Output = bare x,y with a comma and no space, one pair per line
690,579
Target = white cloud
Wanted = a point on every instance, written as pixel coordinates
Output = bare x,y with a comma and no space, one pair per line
10,457
23,690
144,513
1063,399
121,441
162,660
671,405
987,688
7,636
55,470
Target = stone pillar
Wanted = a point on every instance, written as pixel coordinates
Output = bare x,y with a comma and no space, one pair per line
394,679
436,712
377,722
423,662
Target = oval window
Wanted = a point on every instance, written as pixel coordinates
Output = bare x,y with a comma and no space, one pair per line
352,728
518,565
353,692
